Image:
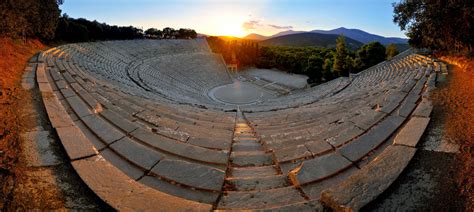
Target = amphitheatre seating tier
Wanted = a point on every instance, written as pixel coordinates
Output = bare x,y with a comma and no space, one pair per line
138,127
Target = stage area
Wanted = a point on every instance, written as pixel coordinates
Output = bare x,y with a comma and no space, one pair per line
239,93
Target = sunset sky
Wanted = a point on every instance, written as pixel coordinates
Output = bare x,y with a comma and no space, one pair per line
241,17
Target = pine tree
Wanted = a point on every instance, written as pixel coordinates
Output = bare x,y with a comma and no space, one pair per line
340,56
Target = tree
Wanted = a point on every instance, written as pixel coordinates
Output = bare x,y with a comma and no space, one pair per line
340,57
444,26
314,68
29,18
168,33
391,51
153,33
327,70
371,54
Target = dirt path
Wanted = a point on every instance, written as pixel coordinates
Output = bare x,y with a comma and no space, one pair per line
457,99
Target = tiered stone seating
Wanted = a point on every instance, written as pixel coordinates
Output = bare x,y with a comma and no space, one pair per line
137,124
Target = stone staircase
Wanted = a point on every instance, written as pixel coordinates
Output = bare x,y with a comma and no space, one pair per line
254,180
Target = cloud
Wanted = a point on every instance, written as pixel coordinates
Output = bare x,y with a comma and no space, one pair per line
251,25
260,24
280,27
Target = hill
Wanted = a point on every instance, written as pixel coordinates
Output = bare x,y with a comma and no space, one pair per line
310,39
362,36
255,36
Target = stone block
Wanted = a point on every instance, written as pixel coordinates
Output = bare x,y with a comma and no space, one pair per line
181,149
190,174
121,163
123,193
248,200
318,168
362,145
56,113
411,133
79,107
202,196
318,147
106,132
369,182
292,153
258,183
423,109
75,143
136,153
251,158
119,121
406,108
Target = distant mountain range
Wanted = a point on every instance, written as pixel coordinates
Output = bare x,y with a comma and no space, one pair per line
355,34
309,39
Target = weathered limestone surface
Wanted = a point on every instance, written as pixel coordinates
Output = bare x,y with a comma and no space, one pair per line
366,184
125,194
258,183
260,199
137,153
318,168
79,107
190,174
182,149
119,121
75,143
102,129
424,108
180,191
56,113
359,147
251,158
412,131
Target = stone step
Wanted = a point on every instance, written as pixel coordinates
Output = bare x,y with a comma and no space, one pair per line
105,131
190,174
257,183
361,146
180,191
247,200
369,182
255,158
181,149
140,155
412,132
318,168
245,140
239,137
251,172
246,146
121,192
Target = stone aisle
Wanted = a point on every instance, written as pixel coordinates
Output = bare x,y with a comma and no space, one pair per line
253,180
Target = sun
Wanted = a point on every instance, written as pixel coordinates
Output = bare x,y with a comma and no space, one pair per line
235,30
223,24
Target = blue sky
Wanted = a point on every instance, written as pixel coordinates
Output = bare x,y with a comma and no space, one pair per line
241,17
